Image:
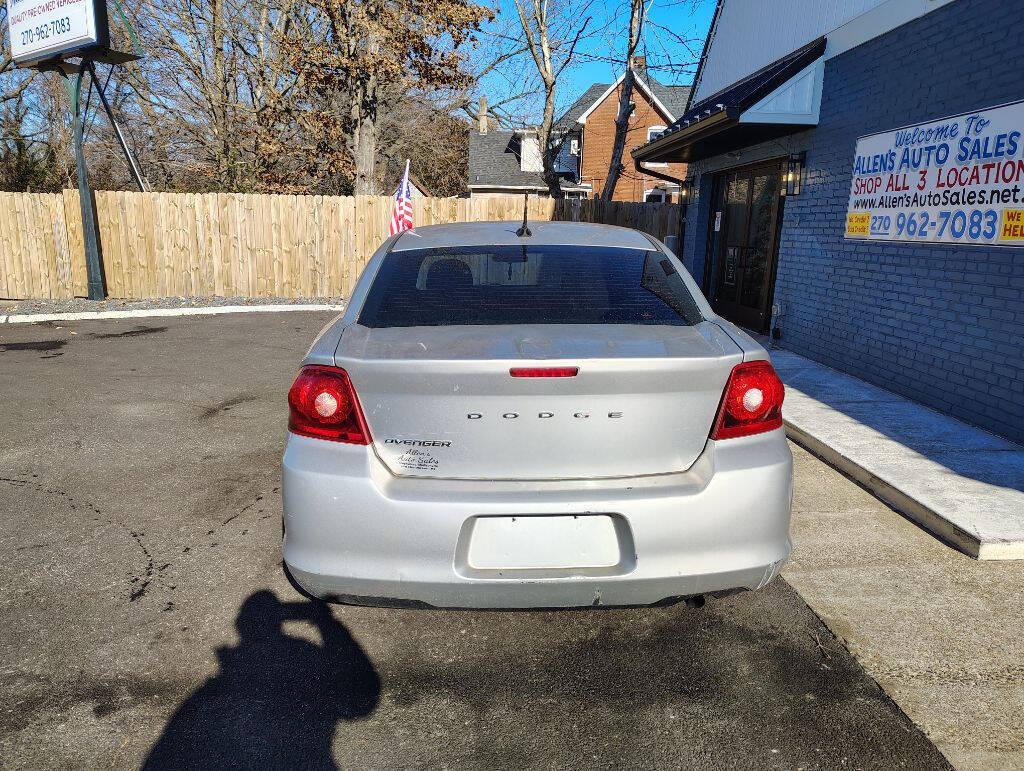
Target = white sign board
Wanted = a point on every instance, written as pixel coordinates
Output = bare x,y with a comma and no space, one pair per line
40,29
956,180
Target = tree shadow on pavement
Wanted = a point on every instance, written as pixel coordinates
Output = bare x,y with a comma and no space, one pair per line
276,700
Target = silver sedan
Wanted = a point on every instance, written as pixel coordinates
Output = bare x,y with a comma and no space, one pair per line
548,420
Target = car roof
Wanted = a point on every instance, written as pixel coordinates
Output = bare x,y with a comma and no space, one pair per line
504,234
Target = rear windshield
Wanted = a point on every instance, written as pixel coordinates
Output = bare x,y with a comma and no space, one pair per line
527,285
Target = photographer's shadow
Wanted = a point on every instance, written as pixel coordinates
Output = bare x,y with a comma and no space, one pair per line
276,700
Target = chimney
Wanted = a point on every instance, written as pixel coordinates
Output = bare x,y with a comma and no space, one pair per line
530,158
482,115
640,67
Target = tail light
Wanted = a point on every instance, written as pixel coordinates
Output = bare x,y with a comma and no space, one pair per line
323,405
752,402
544,371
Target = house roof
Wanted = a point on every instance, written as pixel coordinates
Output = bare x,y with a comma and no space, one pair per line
671,98
745,92
722,110
580,106
494,162
494,156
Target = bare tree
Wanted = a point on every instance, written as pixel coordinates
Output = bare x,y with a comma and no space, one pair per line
356,56
674,49
13,82
499,71
216,93
264,95
34,131
637,13
436,141
551,34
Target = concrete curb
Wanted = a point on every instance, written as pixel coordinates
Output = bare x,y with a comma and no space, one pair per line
962,484
909,507
141,313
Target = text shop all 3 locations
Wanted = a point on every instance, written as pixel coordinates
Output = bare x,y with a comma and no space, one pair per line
954,180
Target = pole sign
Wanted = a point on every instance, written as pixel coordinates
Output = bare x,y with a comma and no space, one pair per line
955,180
45,29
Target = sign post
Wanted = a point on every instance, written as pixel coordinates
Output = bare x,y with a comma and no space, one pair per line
93,266
44,35
129,156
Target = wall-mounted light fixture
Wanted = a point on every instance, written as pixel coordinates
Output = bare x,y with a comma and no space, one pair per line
794,174
686,191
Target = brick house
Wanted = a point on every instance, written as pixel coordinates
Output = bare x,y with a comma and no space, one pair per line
856,172
503,162
590,123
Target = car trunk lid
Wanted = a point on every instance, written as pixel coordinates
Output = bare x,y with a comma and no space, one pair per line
440,401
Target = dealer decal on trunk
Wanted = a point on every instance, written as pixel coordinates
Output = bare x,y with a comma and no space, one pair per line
416,456
419,442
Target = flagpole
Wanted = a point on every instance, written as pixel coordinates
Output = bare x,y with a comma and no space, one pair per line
405,182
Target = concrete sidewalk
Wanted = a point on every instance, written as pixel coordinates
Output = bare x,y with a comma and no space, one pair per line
962,483
940,632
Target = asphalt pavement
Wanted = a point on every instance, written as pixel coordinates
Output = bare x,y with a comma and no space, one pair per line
145,618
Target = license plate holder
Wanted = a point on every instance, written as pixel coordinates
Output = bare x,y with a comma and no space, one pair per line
544,542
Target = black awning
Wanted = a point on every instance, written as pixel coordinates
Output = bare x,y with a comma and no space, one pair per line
712,126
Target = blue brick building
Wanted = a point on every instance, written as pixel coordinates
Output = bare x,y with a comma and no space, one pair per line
784,93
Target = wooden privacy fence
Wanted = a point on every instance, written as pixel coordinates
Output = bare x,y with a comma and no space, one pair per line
232,244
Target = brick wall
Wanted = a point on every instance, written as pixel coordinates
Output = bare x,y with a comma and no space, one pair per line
599,136
942,324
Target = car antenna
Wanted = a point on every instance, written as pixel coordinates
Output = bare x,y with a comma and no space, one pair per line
524,231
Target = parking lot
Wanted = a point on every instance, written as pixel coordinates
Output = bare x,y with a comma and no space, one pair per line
146,618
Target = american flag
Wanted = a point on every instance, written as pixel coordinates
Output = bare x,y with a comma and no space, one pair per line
401,214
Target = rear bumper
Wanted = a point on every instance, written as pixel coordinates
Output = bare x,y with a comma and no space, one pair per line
356,533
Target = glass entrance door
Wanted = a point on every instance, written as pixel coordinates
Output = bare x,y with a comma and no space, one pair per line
745,216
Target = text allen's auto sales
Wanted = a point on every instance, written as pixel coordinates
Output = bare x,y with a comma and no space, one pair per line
955,180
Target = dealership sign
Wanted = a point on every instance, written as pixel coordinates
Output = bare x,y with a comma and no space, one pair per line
44,29
955,180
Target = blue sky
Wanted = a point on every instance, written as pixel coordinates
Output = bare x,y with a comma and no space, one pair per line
670,20
685,19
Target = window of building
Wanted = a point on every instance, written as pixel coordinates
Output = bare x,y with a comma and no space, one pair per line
657,195
653,132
